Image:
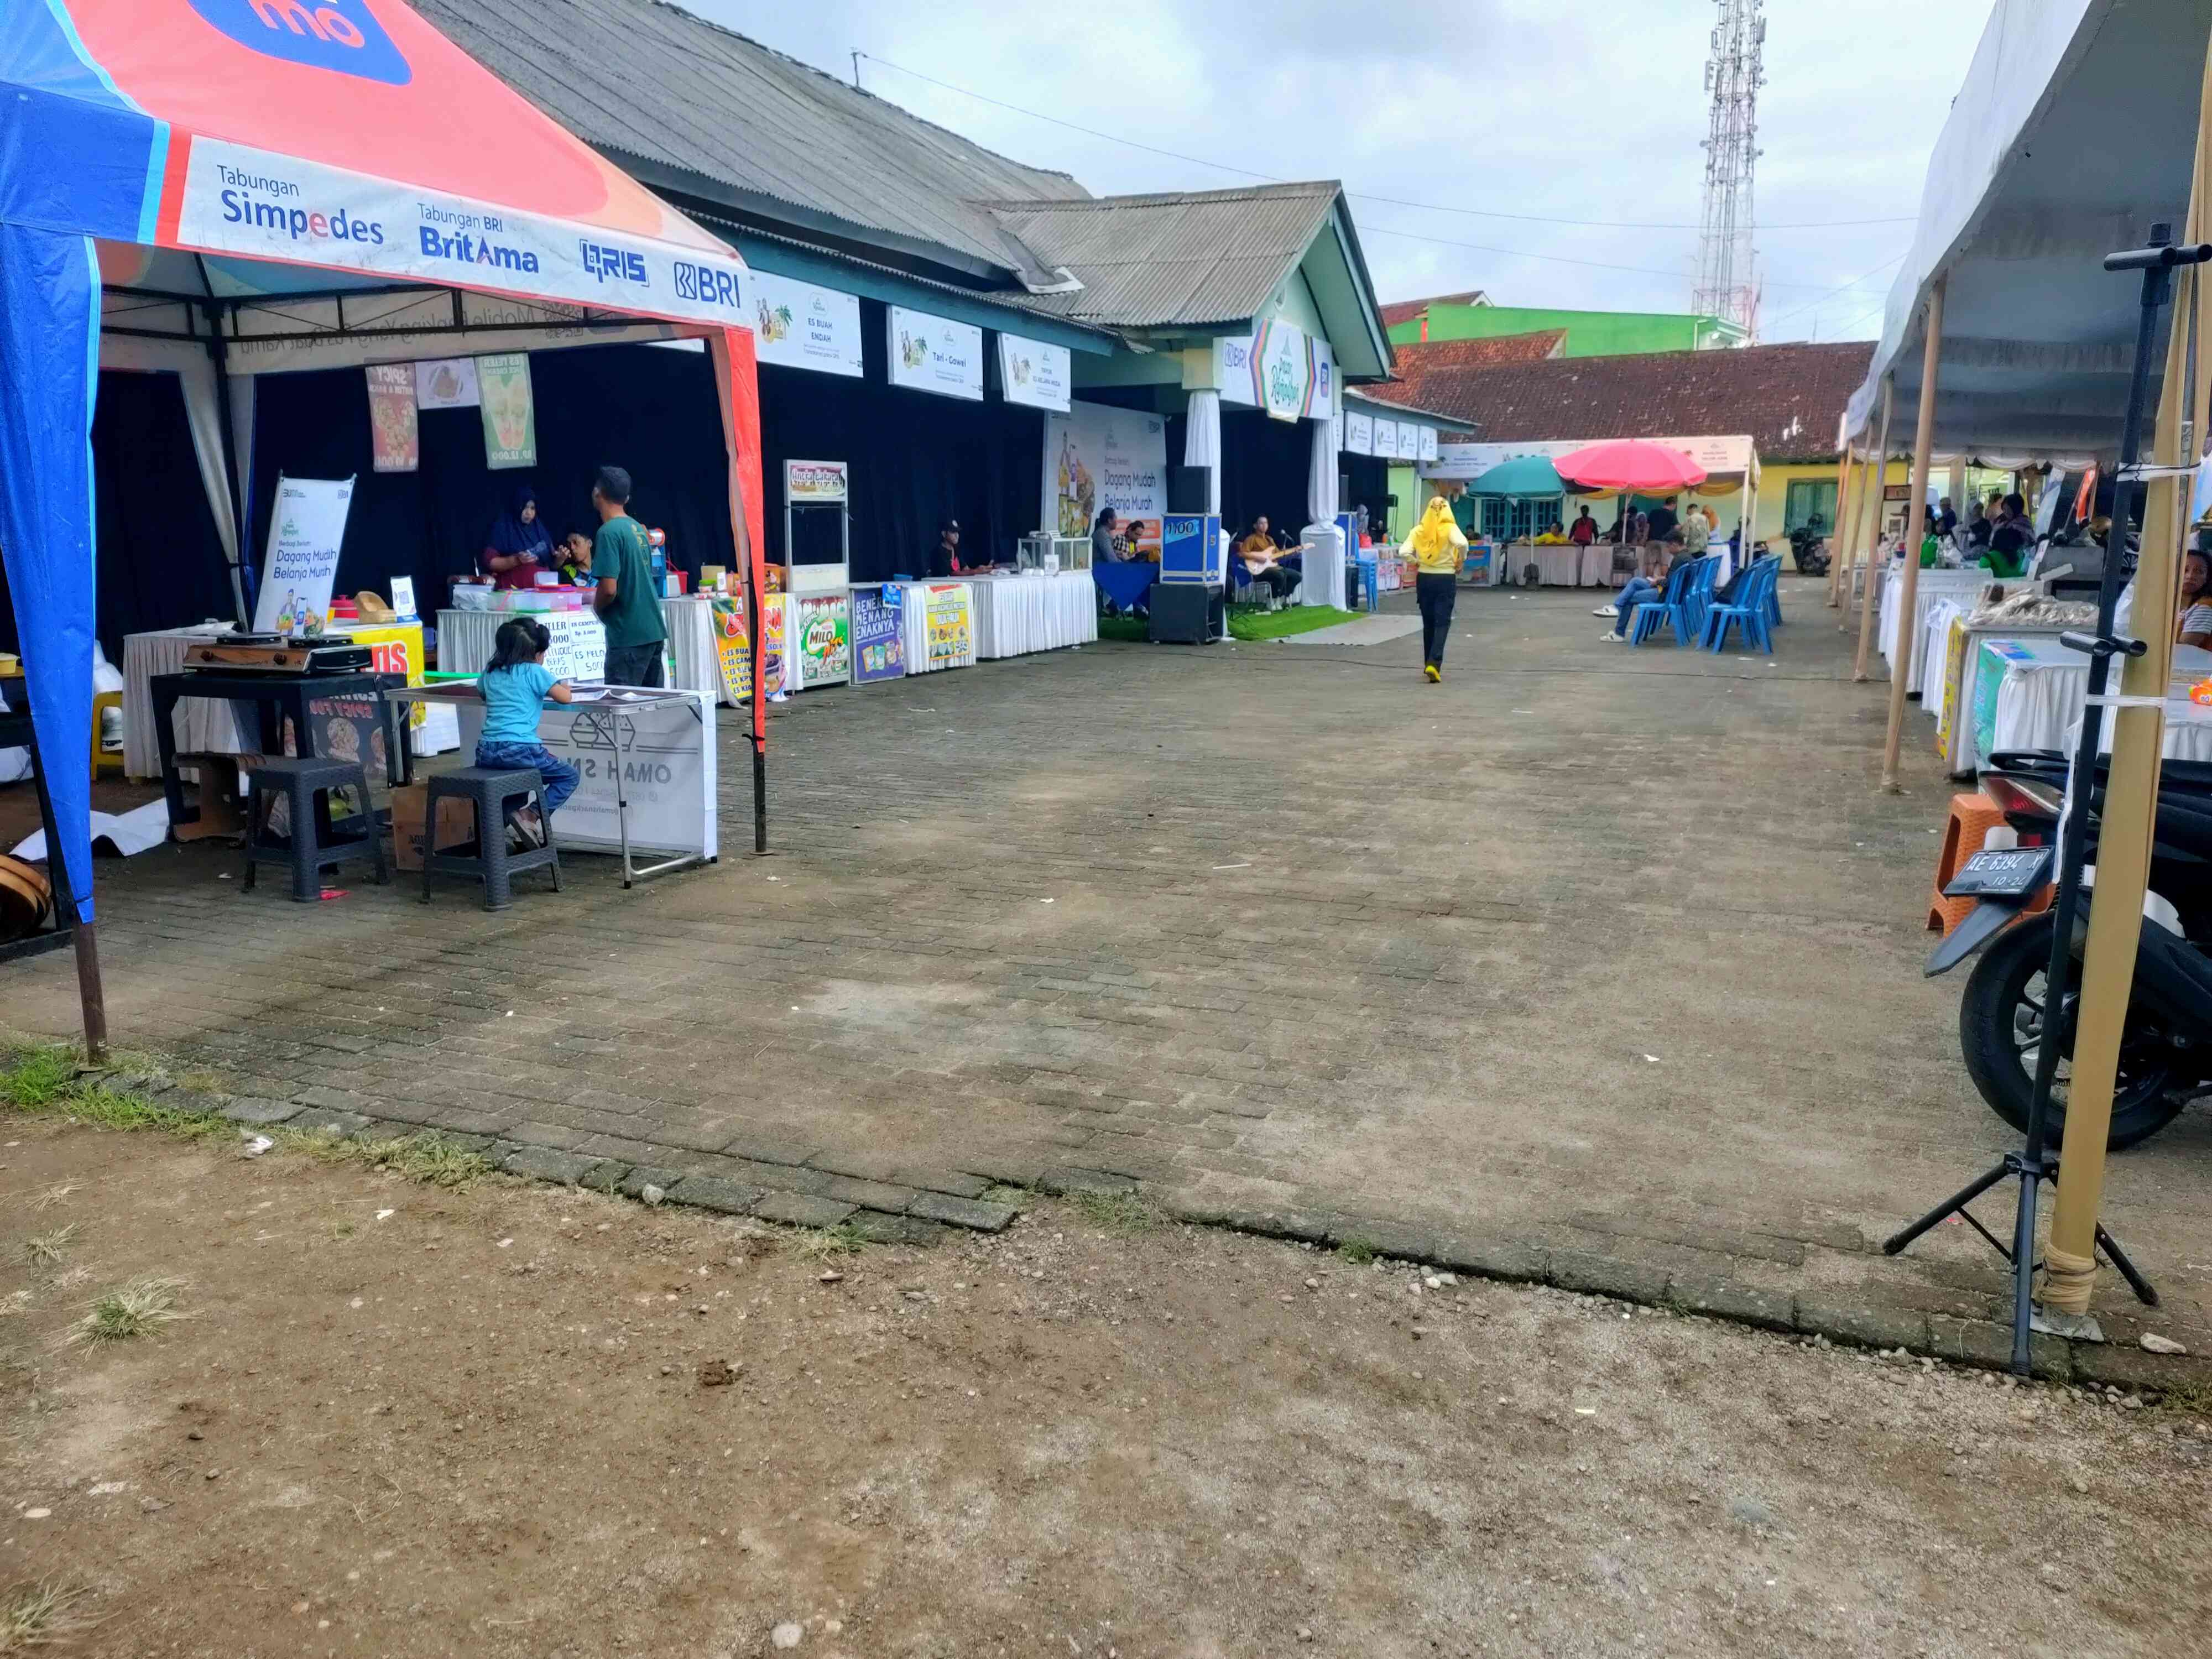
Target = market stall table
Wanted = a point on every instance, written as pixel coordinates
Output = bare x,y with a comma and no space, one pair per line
645,761
1951,699
1128,583
2031,692
277,699
1034,610
1933,587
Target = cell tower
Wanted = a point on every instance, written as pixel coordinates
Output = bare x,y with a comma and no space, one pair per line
1728,287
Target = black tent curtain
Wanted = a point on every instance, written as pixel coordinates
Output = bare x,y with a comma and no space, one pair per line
1369,488
649,409
916,458
1265,467
159,561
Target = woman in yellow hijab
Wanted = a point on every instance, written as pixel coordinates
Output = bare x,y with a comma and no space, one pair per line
1438,549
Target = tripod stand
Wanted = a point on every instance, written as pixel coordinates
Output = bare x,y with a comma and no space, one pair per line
2037,1164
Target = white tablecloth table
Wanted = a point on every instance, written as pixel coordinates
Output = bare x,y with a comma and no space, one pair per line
2041,701
1596,565
580,642
1932,586
1015,615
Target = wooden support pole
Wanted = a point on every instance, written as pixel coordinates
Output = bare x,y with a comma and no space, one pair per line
1836,544
1878,486
1915,526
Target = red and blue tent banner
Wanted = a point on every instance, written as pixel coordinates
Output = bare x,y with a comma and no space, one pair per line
287,138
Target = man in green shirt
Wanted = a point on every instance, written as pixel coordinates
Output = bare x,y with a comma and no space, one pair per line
621,565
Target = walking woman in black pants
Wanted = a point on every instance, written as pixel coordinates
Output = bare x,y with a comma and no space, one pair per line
1438,550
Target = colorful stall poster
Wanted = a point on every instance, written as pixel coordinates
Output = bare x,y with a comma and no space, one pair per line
772,638
733,650
447,383
396,648
878,640
821,631
934,354
816,483
1033,373
510,420
1097,456
305,532
1954,673
395,438
351,728
950,614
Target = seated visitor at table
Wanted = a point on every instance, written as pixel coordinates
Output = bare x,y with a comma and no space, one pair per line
1106,547
1551,536
514,688
945,558
1644,589
518,546
2192,621
573,559
1263,559
2011,538
1584,531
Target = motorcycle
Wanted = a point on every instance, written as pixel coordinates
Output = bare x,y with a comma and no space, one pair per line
1807,550
2004,1017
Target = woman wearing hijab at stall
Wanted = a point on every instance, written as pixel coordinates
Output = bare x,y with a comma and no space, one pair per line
518,547
1437,548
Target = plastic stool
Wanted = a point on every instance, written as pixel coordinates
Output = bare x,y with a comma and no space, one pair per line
1972,817
102,760
306,783
489,789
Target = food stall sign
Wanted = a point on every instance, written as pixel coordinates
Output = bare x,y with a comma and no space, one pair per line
815,483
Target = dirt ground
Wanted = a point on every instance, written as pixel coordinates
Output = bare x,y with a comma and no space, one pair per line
400,1421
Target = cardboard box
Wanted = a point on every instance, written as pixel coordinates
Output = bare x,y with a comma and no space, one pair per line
457,825
221,797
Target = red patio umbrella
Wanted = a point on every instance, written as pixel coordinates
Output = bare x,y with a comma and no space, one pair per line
1631,464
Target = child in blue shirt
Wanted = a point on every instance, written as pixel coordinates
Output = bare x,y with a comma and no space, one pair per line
514,688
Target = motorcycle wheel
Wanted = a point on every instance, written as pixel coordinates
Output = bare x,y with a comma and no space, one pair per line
2001,1024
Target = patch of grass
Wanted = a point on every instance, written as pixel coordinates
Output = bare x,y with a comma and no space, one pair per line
44,1079
38,1077
1115,1213
1130,630
1002,1193
430,1158
1357,1252
1254,623
44,1614
821,1244
57,1193
47,1249
134,1309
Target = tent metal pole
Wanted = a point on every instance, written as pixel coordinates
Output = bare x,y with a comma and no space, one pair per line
1877,488
242,538
1915,526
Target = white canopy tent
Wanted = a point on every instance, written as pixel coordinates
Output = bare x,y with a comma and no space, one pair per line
2074,132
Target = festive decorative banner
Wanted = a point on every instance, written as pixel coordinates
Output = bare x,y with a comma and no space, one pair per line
395,437
878,645
510,419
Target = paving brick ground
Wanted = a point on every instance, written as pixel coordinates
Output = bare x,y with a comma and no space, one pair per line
1589,963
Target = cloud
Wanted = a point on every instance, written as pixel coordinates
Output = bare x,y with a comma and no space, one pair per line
1584,110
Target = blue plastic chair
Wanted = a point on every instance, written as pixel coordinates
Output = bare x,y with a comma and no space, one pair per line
1750,610
1667,607
1697,598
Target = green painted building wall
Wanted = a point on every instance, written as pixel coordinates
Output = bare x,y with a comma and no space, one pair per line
1589,333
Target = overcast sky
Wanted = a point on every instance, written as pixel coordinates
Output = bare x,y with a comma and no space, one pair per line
1581,110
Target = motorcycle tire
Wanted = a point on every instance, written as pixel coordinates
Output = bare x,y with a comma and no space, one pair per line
1997,994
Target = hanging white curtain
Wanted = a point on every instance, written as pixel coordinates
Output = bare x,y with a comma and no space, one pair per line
1201,441
1324,557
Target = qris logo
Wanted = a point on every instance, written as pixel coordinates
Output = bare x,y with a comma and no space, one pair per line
333,34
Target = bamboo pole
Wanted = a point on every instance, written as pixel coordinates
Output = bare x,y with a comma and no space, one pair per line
1836,530
1851,552
1867,618
2123,843
1915,526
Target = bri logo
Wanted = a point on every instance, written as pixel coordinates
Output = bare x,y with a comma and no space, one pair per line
706,284
475,251
333,34
611,263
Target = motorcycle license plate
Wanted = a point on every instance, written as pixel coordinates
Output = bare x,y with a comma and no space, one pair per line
2002,873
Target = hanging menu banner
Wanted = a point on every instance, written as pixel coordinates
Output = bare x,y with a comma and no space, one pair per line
395,435
934,354
1358,432
878,638
510,418
1033,373
799,326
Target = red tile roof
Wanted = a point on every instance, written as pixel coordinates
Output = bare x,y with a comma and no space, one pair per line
1787,397
1404,311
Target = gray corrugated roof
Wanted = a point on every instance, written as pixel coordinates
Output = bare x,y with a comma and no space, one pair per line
1186,258
651,81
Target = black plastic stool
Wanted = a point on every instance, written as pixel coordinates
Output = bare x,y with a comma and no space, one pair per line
490,789
306,783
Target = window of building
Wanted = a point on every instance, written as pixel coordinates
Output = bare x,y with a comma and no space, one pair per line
1810,499
1518,518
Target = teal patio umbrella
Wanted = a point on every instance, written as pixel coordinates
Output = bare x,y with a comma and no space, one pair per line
1525,474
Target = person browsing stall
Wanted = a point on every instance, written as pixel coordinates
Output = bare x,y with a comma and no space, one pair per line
1105,544
1437,551
514,688
518,547
1583,530
622,566
2192,621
